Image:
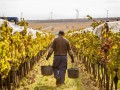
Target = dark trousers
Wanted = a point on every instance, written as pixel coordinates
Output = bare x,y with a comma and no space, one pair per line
60,66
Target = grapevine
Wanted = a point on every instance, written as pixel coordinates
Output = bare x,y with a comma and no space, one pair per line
19,47
100,55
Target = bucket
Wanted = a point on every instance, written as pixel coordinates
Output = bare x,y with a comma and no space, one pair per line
47,70
73,72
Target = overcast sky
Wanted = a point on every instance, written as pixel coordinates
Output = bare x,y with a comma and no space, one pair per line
40,9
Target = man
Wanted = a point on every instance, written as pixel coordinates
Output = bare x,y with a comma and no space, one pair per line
60,46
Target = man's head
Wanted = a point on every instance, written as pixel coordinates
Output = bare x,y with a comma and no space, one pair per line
61,33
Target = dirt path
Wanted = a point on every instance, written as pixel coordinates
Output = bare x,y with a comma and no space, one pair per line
36,81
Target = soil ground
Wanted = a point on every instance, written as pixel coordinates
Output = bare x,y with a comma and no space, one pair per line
55,27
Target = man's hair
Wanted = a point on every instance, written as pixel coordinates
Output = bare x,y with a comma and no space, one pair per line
61,33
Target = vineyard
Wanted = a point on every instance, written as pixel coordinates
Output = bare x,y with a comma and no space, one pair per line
97,47
20,49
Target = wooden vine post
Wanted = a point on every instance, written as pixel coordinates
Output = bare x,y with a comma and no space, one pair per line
116,79
1,83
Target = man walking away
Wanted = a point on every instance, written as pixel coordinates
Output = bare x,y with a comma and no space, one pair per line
60,46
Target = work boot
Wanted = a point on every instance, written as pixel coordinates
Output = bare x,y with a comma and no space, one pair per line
57,81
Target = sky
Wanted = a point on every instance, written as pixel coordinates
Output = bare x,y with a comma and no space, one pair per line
62,9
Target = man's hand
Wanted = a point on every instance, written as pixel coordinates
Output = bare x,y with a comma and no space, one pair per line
49,54
46,58
72,61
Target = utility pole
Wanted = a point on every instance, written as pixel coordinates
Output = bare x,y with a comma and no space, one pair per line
3,15
77,13
107,12
51,15
21,15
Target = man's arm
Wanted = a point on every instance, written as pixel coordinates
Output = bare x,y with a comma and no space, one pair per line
70,52
51,49
71,55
